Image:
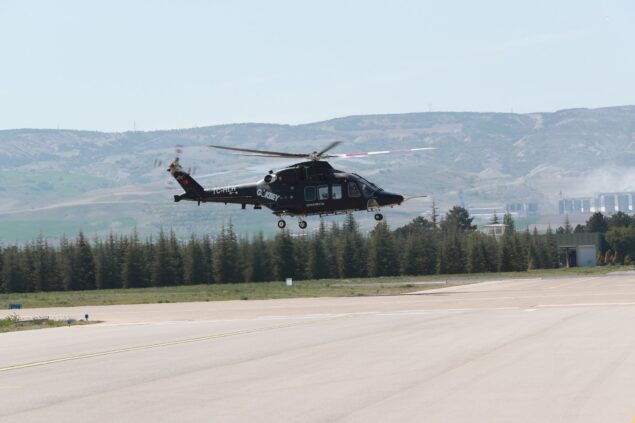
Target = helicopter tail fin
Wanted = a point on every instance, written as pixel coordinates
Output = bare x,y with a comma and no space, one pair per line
188,183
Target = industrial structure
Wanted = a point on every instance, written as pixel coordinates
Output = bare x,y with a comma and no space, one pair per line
606,202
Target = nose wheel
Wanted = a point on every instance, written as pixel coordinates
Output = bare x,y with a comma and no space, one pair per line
302,224
378,216
282,224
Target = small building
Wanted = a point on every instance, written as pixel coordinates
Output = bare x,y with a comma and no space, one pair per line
495,229
579,249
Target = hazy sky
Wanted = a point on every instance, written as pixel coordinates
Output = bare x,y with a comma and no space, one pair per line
175,64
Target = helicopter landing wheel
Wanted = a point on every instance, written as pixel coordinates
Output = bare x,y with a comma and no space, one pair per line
378,216
302,224
282,224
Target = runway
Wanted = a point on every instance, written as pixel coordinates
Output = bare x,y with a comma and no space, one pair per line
525,350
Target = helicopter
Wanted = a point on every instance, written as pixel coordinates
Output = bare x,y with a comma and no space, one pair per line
308,188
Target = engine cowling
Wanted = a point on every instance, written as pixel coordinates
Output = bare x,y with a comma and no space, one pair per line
270,178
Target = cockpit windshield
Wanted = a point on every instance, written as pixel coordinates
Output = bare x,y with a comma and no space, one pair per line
368,188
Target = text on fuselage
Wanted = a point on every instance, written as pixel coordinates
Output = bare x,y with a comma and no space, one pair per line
267,194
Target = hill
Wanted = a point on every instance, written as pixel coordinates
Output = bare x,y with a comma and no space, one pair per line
60,181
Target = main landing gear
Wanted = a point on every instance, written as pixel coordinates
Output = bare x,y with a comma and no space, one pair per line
378,216
282,224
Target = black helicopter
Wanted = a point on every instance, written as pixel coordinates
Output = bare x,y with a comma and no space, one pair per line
308,188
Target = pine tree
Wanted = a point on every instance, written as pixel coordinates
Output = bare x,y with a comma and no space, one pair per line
508,221
382,255
597,223
259,263
620,220
579,229
67,264
208,265
521,249
226,260
133,271
490,253
458,218
567,225
331,243
107,264
162,269
534,260
476,260
301,256
40,271
148,253
409,262
419,255
552,259
317,264
283,257
13,275
112,275
175,260
1,272
506,253
453,254
351,250
435,216
85,274
429,253
193,262
55,282
25,257
418,225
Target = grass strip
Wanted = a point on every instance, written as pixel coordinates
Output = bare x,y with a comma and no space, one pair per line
274,290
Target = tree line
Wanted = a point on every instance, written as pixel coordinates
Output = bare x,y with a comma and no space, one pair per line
449,245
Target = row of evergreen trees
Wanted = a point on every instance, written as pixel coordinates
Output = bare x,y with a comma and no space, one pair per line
341,251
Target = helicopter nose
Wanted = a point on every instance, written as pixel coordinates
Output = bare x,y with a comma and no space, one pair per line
388,198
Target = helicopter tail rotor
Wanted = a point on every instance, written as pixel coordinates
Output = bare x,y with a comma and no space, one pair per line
184,179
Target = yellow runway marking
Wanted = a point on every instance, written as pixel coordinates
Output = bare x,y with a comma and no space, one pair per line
152,346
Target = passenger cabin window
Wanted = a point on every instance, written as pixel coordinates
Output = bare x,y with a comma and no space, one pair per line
309,193
353,190
323,192
336,192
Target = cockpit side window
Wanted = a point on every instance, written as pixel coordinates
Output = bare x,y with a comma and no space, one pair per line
367,190
353,190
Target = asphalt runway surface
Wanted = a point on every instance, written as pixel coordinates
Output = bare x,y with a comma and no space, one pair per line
525,350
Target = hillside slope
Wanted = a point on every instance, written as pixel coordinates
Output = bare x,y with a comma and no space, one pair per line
58,181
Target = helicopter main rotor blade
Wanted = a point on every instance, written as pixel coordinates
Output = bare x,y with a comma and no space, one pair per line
372,153
329,147
262,153
287,156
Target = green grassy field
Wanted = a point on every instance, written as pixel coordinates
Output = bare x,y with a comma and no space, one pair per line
271,290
